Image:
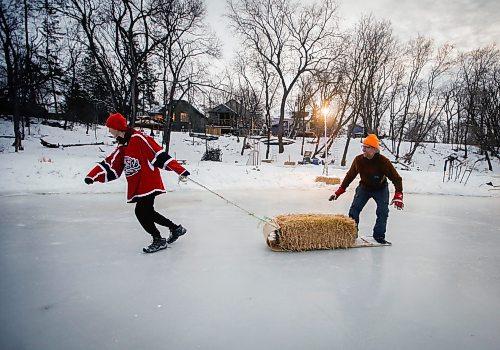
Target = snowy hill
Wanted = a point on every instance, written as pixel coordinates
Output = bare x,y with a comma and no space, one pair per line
39,169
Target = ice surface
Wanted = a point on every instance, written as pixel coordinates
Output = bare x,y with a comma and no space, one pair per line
73,276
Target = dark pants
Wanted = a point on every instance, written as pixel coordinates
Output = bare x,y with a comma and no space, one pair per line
147,216
381,197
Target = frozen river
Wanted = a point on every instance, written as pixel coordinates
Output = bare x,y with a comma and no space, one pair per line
72,276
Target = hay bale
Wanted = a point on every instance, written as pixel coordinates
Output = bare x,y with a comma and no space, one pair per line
328,180
300,232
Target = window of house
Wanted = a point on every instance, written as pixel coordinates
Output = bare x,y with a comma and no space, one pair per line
184,117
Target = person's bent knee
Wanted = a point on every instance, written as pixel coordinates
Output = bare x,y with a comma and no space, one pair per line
140,210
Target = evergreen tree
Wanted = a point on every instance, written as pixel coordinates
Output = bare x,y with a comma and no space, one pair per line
51,72
147,85
91,80
78,105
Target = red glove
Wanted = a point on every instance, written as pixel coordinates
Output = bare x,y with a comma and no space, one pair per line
337,193
398,201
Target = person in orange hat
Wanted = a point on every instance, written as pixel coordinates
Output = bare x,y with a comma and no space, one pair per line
140,157
374,170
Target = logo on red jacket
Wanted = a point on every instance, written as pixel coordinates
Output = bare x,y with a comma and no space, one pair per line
132,166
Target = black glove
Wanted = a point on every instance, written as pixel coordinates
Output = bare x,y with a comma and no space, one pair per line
89,181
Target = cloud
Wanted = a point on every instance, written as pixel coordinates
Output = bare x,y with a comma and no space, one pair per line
468,24
465,23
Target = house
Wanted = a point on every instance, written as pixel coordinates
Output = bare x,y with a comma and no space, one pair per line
357,131
186,117
151,120
230,118
287,124
302,125
222,120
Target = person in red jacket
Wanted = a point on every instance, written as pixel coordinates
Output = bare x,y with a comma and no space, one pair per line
140,157
374,170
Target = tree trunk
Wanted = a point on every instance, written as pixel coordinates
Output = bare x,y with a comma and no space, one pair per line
17,122
346,148
281,148
244,144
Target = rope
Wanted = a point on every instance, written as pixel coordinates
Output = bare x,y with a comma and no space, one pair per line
265,220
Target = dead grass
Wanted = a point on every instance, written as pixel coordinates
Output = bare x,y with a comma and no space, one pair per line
328,180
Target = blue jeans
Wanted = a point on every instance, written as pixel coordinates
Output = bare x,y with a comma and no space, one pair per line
381,197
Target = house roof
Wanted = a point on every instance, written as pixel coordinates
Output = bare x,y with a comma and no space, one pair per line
186,102
192,106
222,108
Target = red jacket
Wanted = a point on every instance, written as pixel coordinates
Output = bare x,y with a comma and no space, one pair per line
141,158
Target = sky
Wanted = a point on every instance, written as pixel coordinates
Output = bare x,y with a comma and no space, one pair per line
468,24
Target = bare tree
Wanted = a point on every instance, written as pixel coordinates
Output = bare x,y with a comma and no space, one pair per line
10,36
249,95
52,35
419,53
292,38
91,18
184,50
378,63
307,88
268,80
121,35
370,75
479,81
450,110
430,101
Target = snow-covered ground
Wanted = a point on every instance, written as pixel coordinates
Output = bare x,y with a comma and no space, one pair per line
73,275
38,169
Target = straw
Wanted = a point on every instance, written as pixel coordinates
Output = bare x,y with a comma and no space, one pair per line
299,232
328,180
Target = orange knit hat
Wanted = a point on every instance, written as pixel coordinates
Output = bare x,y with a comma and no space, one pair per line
117,121
371,140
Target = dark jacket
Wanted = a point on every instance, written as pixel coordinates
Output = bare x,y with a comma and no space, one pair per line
373,172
